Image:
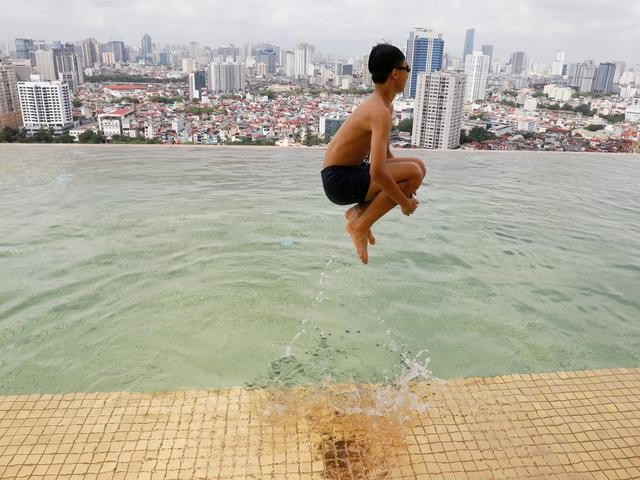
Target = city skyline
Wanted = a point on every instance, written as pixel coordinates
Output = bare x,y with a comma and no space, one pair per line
599,30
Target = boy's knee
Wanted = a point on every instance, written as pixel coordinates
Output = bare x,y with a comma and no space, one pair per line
422,167
418,174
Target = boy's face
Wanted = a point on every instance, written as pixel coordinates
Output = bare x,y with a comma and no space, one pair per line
401,73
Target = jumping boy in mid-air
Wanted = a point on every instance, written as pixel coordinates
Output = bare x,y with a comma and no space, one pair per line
384,182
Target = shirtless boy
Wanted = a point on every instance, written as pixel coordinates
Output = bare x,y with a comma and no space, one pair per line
379,185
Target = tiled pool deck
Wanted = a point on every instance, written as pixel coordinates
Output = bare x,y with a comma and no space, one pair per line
563,425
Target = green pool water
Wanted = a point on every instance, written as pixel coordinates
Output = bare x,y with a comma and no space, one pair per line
160,268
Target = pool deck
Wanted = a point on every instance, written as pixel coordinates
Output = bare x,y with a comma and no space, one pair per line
561,425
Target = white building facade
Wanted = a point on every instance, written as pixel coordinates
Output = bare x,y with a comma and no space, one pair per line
632,113
558,63
118,122
45,105
437,117
226,77
476,67
303,58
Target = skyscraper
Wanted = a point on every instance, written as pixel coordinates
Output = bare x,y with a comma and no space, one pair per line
146,51
476,68
118,49
90,53
488,50
193,91
303,66
437,116
558,63
584,77
9,100
45,105
146,44
24,46
44,65
604,78
468,42
518,63
424,54
226,77
268,55
620,66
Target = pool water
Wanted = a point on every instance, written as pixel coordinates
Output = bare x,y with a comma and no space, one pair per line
158,268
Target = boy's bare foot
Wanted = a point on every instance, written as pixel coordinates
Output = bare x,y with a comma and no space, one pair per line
359,241
352,215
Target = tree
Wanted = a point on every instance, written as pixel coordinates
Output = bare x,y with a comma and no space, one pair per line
64,138
90,136
42,136
310,138
13,135
585,109
77,102
594,128
406,125
476,134
614,117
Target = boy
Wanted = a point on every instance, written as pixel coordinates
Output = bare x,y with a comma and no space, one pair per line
384,182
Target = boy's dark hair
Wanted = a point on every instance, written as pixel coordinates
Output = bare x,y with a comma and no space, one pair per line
382,60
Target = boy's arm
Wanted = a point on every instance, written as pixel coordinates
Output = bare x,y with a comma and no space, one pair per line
380,130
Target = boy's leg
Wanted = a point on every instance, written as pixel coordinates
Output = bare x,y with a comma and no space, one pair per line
354,212
352,215
408,176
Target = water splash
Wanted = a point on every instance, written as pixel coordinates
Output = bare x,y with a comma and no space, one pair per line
358,429
319,299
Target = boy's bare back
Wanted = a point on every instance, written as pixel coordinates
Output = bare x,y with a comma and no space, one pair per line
352,142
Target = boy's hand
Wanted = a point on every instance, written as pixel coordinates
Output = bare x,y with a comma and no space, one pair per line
410,207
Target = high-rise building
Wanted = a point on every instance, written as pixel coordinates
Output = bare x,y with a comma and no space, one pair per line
289,64
147,46
193,91
24,47
424,54
476,68
44,64
188,65
91,57
9,99
468,42
518,63
584,76
437,116
194,49
45,105
558,63
487,50
604,78
366,74
226,77
67,66
303,60
329,124
267,54
197,82
620,66
118,49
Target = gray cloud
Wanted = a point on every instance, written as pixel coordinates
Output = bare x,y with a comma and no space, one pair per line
586,29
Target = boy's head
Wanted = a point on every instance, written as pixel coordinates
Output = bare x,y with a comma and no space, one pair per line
382,60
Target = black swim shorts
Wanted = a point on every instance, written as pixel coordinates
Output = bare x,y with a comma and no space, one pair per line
346,184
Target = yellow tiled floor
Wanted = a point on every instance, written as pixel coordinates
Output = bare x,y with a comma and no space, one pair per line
564,425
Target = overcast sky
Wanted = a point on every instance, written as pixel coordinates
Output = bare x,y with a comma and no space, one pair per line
599,30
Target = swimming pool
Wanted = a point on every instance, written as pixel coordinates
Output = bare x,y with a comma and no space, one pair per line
151,268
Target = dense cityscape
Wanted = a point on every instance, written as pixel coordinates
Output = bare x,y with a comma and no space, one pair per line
262,94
